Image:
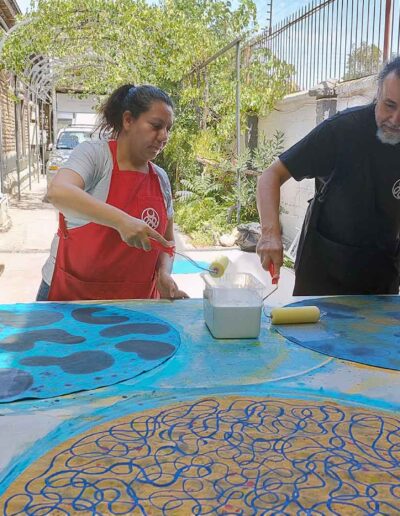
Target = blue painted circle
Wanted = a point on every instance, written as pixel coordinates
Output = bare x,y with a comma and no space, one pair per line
62,348
363,329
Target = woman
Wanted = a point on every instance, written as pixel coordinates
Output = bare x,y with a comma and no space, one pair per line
115,206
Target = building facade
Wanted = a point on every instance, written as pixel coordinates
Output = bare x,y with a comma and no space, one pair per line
22,120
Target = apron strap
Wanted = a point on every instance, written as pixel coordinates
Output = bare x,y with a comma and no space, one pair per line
62,226
113,147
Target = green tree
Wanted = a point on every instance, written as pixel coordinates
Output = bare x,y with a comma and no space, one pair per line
96,45
362,61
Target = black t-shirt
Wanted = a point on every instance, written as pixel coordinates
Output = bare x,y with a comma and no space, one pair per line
363,202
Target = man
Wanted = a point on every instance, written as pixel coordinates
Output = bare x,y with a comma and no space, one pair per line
350,241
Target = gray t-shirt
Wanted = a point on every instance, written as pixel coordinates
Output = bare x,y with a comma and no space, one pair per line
92,160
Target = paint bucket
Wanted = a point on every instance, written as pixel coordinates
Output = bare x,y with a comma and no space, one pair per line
232,305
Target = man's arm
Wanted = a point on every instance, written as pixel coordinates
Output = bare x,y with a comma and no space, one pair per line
269,247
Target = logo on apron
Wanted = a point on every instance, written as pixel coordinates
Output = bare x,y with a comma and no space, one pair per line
151,217
396,190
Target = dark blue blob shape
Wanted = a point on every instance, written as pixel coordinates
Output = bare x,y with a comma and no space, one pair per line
14,382
83,362
29,319
395,315
147,349
128,329
85,315
26,340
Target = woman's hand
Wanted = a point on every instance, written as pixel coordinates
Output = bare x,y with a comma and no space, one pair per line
136,233
167,287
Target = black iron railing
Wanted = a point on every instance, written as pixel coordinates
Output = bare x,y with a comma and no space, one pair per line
335,39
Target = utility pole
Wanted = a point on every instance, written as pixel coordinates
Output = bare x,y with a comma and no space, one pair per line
387,30
268,26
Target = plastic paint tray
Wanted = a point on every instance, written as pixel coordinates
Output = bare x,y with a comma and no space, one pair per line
232,305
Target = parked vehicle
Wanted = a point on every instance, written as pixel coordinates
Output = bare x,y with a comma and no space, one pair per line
67,139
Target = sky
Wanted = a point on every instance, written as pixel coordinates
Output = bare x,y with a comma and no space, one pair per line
280,8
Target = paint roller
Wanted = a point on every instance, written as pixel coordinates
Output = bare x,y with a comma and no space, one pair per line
295,315
291,314
216,268
219,266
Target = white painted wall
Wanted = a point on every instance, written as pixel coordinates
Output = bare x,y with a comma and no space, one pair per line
356,93
74,110
296,115
73,104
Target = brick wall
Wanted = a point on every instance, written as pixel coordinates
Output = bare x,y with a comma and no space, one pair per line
8,133
7,113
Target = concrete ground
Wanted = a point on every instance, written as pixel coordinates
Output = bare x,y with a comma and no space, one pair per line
25,247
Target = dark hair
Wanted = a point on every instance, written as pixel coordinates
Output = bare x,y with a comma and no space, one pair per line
391,66
136,99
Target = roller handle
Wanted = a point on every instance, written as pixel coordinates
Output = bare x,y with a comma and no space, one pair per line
271,270
155,244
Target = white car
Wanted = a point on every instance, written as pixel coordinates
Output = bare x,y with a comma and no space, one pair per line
67,139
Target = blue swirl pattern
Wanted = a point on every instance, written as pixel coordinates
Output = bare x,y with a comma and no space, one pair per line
225,455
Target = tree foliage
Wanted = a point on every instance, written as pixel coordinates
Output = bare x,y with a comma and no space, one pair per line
103,43
135,41
363,60
96,45
206,207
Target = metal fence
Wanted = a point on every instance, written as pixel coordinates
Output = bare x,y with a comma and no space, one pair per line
334,39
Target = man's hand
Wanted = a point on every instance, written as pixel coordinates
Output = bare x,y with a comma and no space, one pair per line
269,247
270,251
136,233
167,287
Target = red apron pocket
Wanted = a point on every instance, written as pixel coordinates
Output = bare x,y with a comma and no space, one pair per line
70,288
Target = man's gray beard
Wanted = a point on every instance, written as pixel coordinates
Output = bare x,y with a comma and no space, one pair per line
389,138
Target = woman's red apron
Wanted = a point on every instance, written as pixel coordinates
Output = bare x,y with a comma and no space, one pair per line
94,263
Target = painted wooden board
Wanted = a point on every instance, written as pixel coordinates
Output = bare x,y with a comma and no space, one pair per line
60,348
221,455
363,329
251,426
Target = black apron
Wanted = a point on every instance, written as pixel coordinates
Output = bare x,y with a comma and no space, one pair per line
325,266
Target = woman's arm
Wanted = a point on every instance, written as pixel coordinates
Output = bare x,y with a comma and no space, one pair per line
66,193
